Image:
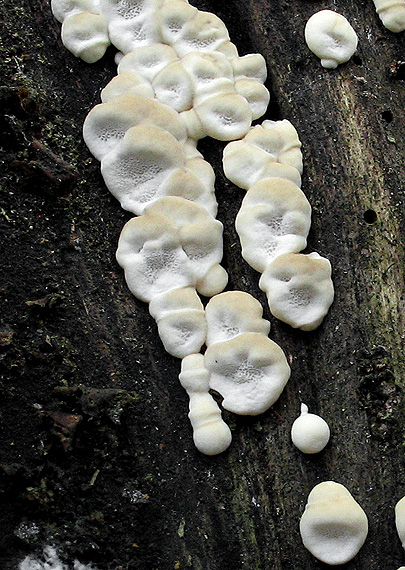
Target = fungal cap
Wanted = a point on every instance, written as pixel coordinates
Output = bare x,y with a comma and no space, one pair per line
331,38
333,526
127,82
224,116
400,520
233,313
152,258
181,322
309,433
61,9
274,218
85,35
299,289
279,139
149,163
107,123
249,371
148,61
392,14
200,236
136,169
267,150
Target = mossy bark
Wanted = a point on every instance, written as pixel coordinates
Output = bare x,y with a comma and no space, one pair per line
97,449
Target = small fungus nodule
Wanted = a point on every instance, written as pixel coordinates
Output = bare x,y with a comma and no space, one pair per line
309,433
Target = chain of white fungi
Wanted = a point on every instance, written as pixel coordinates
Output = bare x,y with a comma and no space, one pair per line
273,223
180,79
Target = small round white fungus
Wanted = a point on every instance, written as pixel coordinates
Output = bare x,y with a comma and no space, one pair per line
309,433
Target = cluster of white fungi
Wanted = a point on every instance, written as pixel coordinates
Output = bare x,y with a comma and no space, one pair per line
179,79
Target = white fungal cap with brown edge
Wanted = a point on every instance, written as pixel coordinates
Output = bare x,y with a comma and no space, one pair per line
271,149
274,218
392,14
331,38
299,289
181,321
400,520
211,435
107,123
333,526
149,163
309,432
233,313
249,371
85,35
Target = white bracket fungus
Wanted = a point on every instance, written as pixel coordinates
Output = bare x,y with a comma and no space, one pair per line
203,87
180,78
247,368
392,14
299,289
274,221
131,24
267,150
175,244
274,218
249,371
333,526
127,82
331,38
210,433
233,313
180,318
188,29
400,520
107,123
309,432
149,163
84,30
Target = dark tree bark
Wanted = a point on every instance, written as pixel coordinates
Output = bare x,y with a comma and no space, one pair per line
97,452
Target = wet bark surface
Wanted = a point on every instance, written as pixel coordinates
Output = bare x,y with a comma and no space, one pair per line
97,455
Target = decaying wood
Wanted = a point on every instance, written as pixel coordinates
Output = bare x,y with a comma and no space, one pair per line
97,455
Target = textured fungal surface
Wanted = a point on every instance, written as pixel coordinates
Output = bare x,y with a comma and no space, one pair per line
274,218
400,520
233,313
299,289
250,371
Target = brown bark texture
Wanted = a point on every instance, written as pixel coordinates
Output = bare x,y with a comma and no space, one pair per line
97,455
